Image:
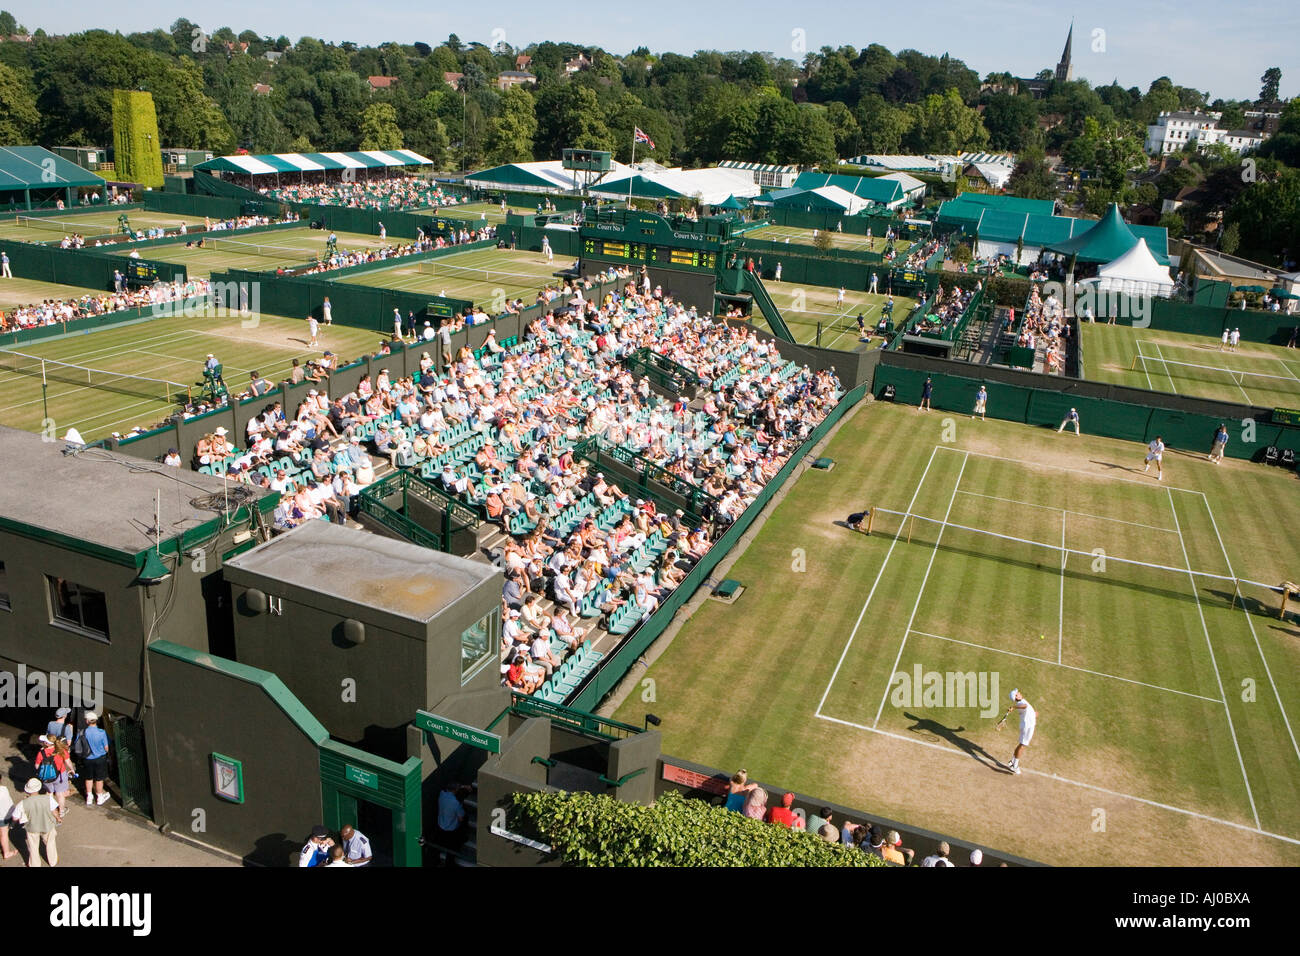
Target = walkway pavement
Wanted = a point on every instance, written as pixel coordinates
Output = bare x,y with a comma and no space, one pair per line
95,836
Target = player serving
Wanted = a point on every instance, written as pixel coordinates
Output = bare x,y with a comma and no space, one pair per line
1028,720
1155,451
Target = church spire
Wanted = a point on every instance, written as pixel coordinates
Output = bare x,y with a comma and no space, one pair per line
1065,69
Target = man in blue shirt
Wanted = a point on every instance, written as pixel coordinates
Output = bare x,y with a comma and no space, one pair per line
95,770
356,846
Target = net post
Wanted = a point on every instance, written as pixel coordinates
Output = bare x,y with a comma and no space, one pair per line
871,518
911,520
1134,366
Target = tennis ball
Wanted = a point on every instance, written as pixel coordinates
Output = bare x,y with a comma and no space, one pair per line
1042,637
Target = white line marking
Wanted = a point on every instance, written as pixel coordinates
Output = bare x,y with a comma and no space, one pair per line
1079,514
1076,471
1199,610
1286,720
870,594
1068,667
1074,783
1168,374
1060,632
1143,363
921,593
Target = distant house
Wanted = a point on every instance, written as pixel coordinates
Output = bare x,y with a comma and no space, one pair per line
576,64
261,89
272,56
236,46
381,82
514,78
523,61
453,79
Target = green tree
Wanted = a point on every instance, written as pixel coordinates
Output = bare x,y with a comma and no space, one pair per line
844,128
9,26
1272,81
1268,216
882,126
137,148
569,115
944,124
379,129
511,137
19,118
1031,179
1173,223
1011,121
1231,239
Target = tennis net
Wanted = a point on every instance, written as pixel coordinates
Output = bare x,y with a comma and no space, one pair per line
487,276
1190,371
65,227
290,254
47,370
1053,558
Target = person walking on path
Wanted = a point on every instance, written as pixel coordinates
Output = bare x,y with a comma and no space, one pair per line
40,817
7,808
54,768
96,760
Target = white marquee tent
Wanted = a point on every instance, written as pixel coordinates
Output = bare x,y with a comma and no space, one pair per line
1135,272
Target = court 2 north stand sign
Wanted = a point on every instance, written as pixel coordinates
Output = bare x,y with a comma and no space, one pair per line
443,727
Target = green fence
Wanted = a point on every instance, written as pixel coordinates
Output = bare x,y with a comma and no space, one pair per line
769,247
77,326
80,267
853,225
616,665
1185,424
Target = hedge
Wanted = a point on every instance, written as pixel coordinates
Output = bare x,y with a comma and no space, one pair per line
595,830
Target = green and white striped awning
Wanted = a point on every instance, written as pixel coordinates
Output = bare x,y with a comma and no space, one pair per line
313,162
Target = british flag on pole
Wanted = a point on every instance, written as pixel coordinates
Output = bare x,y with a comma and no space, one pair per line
639,136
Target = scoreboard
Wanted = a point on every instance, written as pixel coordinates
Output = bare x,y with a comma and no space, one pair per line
141,273
684,258
1286,416
611,249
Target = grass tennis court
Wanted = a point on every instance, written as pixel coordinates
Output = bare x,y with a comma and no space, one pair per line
1048,563
473,212
170,349
1256,374
260,251
16,292
804,306
482,276
840,240
89,224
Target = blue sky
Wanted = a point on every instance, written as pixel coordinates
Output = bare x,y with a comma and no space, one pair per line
1207,44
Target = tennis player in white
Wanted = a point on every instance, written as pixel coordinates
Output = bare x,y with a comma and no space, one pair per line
1155,451
1028,720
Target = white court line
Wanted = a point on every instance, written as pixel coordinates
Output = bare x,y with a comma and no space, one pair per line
1074,471
1168,374
1060,631
1077,514
1286,720
1210,646
1068,667
870,594
1288,368
1150,387
921,592
1074,783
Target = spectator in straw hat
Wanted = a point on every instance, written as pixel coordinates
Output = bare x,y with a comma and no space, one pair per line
39,815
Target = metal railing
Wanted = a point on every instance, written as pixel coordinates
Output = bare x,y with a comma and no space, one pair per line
570,718
661,370
455,515
595,449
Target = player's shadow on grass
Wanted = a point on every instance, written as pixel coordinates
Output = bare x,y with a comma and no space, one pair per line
953,736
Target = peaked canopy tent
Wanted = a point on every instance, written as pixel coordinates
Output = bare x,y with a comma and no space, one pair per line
544,176
885,192
1135,272
1108,239
33,177
709,186
731,202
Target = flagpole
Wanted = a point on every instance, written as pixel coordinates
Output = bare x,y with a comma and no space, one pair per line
631,170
